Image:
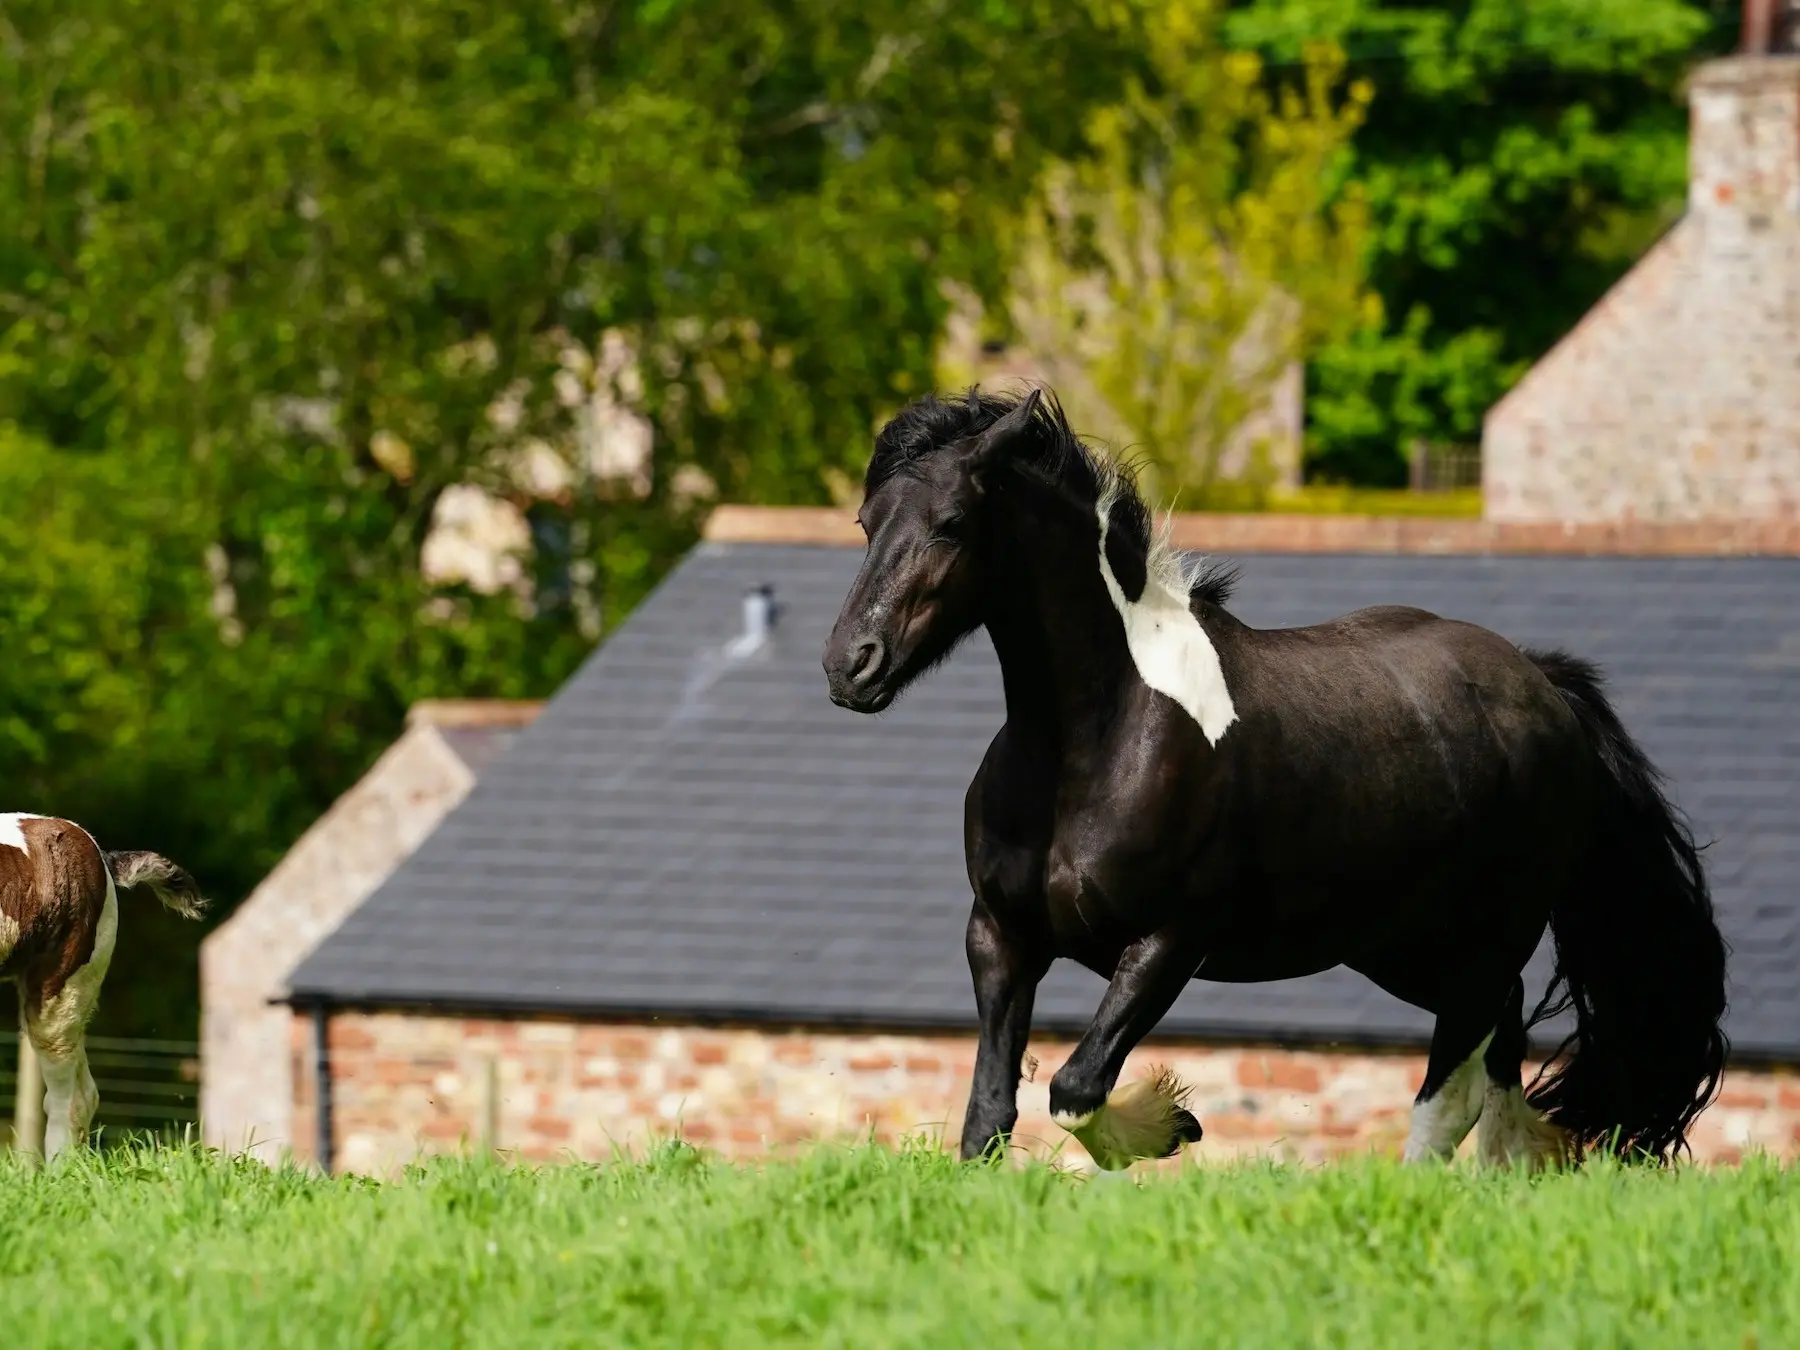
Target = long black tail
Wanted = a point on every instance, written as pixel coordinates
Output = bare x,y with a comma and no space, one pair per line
1639,956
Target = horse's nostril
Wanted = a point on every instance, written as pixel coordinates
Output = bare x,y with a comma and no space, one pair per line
869,658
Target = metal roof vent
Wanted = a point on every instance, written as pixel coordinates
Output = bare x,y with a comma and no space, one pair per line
760,614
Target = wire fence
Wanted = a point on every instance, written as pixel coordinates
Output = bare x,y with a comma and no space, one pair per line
146,1086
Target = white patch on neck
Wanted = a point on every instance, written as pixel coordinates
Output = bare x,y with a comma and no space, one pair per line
11,834
1168,646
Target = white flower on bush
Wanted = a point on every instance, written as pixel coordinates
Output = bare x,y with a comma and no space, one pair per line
477,540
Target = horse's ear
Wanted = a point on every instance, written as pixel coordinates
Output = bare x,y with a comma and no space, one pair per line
993,443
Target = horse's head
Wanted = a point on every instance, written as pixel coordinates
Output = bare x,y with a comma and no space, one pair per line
919,591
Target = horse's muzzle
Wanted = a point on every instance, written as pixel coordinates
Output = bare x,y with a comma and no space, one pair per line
856,670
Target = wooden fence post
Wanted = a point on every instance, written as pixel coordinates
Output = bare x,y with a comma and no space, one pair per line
490,1122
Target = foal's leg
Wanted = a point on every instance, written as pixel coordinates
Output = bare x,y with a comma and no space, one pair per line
1511,1131
1006,980
1150,975
57,1009
70,1096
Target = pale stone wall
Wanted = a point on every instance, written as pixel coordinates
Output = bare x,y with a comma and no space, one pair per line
246,1093
405,1085
1678,396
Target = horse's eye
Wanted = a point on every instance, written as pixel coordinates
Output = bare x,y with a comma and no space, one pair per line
951,526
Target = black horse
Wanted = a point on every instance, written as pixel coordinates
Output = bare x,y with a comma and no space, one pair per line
1178,796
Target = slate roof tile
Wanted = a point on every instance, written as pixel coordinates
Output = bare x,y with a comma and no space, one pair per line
682,834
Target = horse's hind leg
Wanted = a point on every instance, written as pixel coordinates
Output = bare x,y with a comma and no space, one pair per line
1426,975
1511,1131
57,1008
1450,1098
70,1097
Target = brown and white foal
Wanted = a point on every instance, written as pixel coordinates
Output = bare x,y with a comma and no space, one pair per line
59,916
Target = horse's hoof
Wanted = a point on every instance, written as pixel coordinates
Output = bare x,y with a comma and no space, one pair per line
1187,1130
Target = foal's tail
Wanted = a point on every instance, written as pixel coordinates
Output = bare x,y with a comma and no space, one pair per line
168,883
1638,956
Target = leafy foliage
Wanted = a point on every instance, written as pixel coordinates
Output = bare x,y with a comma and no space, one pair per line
1518,156
276,276
1171,276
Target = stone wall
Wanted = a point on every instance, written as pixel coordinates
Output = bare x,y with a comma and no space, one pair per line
245,1092
405,1084
1677,397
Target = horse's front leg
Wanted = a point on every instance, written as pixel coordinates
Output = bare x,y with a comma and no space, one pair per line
1148,1119
1006,975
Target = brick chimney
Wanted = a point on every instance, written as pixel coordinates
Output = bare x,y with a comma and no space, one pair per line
1677,398
1771,27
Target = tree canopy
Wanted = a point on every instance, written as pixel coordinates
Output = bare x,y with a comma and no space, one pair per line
1518,156
275,276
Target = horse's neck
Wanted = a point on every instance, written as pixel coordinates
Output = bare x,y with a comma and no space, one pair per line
1061,646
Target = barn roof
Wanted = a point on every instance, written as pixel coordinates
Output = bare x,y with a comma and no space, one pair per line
688,833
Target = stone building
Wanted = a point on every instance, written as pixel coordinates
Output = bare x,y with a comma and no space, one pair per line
246,1081
1677,398
693,896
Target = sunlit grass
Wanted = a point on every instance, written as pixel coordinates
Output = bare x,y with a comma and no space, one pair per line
867,1247
1354,501
1331,500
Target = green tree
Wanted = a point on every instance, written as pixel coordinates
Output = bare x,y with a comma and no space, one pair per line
1169,277
278,275
1518,156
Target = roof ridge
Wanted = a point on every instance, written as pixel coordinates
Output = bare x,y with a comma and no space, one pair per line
465,713
1293,532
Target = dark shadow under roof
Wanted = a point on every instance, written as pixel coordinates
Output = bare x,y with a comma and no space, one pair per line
689,835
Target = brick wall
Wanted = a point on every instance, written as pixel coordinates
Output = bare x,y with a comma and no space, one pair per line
406,1084
1675,398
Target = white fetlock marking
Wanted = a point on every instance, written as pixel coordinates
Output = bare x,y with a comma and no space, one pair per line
1512,1131
1092,1129
1443,1121
1136,1121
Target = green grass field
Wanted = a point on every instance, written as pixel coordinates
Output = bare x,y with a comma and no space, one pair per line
865,1247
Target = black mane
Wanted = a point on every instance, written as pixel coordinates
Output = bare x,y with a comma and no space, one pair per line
1052,454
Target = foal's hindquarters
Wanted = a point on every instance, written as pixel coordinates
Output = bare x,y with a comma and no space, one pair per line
59,921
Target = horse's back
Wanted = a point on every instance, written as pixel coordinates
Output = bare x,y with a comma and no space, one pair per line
1381,654
53,883
1399,716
